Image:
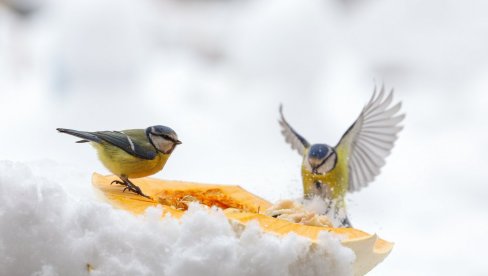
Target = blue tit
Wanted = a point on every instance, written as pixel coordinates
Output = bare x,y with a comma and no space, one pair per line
330,172
132,153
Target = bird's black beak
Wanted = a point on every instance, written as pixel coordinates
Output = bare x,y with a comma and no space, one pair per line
178,142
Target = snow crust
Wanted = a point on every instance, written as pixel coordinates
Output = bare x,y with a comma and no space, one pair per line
46,231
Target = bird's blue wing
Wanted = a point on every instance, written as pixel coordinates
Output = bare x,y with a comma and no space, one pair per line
136,147
370,139
296,141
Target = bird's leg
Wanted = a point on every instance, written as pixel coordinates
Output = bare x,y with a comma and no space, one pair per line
131,186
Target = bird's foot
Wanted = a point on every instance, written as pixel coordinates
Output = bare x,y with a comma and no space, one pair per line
131,187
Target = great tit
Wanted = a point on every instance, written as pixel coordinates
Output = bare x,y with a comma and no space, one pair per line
131,153
329,172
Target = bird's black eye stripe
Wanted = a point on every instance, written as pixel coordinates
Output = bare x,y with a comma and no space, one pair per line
167,137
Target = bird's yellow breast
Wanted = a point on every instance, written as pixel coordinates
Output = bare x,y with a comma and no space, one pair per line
120,162
336,181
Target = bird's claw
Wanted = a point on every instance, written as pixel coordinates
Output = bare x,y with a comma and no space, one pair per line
117,182
131,187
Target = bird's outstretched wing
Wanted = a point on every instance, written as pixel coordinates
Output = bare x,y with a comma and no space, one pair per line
126,142
296,141
370,139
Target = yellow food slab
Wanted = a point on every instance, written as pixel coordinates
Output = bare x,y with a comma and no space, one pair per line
240,206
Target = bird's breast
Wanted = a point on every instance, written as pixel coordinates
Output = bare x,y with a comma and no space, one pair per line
330,185
120,162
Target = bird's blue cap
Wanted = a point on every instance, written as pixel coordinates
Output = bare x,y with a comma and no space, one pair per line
161,130
164,131
318,151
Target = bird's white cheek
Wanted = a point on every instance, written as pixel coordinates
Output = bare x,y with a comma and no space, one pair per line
162,144
327,166
166,146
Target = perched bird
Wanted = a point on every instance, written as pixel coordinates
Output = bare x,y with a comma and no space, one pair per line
132,153
330,172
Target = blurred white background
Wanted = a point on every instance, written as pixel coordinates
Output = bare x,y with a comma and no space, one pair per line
216,72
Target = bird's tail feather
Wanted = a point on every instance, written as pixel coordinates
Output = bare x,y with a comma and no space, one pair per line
86,136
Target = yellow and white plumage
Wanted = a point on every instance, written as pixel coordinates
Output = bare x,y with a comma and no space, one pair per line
330,172
131,153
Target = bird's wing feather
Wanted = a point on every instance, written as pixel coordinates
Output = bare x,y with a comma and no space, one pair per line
137,146
370,139
296,141
86,136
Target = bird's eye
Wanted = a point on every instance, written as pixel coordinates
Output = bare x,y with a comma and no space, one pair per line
167,137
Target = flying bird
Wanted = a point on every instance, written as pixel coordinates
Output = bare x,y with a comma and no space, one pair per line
330,172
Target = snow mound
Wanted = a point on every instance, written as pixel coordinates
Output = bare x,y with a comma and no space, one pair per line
46,231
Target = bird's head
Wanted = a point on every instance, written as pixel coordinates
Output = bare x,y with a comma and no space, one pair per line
163,138
321,159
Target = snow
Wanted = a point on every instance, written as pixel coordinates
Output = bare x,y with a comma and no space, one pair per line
216,72
46,231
